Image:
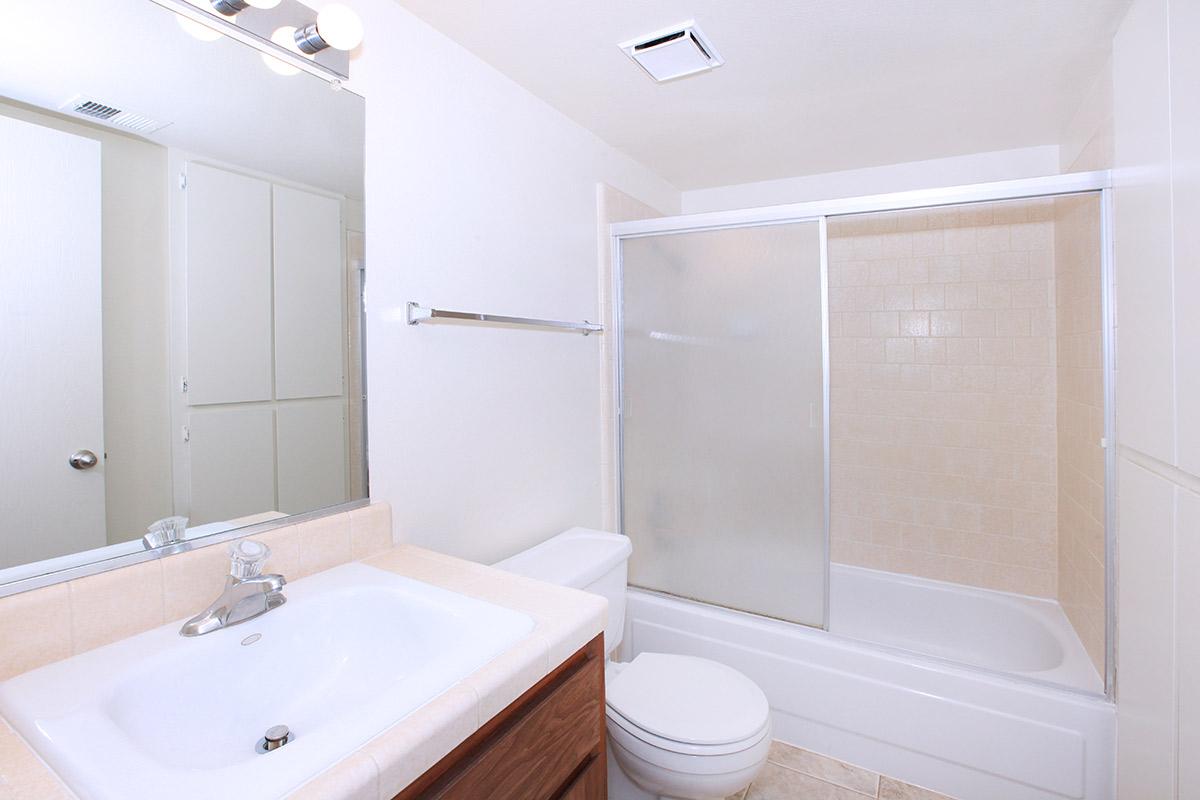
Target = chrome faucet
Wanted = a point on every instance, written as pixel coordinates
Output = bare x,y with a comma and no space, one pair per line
247,593
164,532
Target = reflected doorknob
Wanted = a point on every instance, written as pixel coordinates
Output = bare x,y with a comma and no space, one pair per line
83,459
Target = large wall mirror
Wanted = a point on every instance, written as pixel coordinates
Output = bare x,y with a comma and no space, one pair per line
181,275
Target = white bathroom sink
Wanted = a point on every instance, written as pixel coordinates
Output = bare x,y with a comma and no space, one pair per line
354,650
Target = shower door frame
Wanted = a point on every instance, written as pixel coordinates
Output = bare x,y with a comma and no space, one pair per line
1096,182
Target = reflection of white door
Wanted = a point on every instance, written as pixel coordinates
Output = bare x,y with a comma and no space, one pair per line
51,357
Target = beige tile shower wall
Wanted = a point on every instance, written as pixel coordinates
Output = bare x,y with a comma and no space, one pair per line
942,359
1080,415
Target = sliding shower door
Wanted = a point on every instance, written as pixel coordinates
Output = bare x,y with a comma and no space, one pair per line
723,417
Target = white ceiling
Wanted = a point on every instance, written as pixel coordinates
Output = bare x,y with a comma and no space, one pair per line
220,97
808,86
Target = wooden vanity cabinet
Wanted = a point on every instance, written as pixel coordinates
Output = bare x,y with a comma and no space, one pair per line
549,744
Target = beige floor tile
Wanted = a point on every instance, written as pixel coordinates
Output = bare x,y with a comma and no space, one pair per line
827,769
781,783
892,789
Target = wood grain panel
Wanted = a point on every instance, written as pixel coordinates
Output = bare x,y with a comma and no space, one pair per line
590,784
548,744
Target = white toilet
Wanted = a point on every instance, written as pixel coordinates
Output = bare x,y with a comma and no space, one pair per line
678,726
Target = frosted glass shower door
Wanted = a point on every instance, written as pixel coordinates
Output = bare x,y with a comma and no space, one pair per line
722,410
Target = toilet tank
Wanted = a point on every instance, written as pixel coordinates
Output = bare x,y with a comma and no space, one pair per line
594,561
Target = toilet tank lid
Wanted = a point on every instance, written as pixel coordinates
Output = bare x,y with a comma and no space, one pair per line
575,558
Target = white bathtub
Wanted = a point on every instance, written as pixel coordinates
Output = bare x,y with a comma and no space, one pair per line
967,731
1026,636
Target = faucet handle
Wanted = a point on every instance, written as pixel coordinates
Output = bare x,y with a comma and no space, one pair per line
246,558
169,530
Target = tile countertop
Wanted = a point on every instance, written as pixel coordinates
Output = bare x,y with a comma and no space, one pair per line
564,621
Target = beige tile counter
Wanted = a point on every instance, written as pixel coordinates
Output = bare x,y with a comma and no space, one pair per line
564,621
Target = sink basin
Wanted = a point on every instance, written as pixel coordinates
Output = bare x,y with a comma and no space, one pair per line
354,650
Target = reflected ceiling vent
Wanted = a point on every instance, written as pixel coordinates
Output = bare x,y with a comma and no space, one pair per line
111,115
673,52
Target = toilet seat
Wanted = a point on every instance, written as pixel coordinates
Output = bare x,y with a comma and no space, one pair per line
687,705
626,730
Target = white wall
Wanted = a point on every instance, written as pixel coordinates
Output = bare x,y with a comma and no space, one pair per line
480,197
137,427
1027,162
1156,68
1086,142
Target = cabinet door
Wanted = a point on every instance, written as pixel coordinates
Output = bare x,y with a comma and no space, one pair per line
539,753
309,334
311,438
228,249
591,784
232,463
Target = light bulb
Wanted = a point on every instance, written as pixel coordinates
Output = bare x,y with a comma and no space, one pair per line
263,4
340,27
285,37
197,30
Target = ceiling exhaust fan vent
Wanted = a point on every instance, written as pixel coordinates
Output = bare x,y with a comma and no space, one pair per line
111,115
673,52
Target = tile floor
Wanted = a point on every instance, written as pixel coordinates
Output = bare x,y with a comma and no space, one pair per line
795,774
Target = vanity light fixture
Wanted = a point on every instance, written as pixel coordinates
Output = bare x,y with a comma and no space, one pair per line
336,26
285,37
320,48
230,8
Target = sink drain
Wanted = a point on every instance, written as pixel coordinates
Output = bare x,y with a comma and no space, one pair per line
274,739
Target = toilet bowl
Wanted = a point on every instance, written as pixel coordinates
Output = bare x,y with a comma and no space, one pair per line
679,727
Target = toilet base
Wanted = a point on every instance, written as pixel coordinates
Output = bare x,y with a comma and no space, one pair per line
652,780
621,787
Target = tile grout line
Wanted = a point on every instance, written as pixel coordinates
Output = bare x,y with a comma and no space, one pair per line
830,783
71,618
